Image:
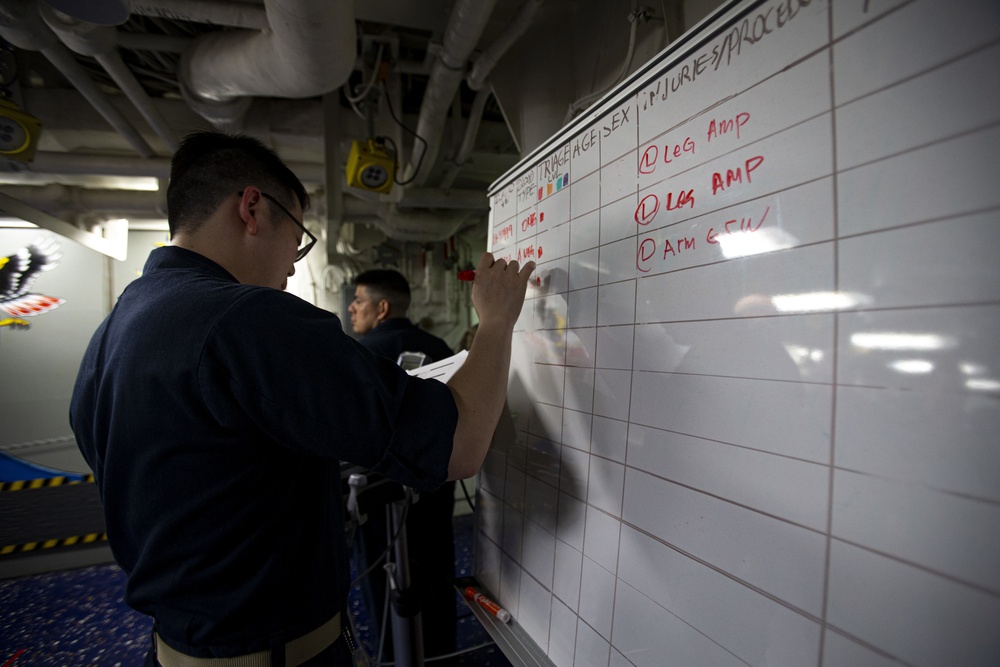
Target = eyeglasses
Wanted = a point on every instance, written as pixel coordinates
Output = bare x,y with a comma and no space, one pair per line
303,249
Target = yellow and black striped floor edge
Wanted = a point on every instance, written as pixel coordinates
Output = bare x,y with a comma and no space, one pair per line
75,540
49,514
44,482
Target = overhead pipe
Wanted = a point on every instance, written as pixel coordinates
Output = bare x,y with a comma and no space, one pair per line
113,242
487,60
213,12
99,41
308,50
21,24
469,140
465,27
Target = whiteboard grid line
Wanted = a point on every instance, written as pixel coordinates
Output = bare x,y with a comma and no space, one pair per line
593,401
690,374
993,502
730,501
916,75
868,645
872,20
729,98
706,439
834,184
729,575
919,147
682,620
971,585
835,361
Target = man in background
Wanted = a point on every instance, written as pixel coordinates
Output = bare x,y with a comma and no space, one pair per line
379,315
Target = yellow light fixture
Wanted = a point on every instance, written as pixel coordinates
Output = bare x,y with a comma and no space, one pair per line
370,167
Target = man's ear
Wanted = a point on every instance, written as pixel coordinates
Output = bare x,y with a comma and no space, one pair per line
249,208
382,309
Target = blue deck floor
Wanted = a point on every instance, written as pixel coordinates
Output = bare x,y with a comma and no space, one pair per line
77,617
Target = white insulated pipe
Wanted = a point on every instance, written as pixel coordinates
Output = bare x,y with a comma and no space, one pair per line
468,19
487,60
308,50
213,12
469,140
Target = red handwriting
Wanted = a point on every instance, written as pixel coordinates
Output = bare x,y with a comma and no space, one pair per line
648,249
647,208
528,252
650,205
528,222
683,199
503,234
736,225
651,250
734,176
717,128
650,158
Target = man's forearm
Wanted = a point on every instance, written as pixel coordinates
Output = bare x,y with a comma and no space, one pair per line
480,390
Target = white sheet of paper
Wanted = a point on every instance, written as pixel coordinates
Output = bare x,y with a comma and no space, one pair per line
441,370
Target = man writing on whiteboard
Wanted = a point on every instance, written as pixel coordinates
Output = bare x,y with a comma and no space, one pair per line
214,409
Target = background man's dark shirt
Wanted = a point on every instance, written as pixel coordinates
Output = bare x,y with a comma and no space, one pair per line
394,336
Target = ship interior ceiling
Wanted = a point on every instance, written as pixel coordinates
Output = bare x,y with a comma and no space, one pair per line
397,116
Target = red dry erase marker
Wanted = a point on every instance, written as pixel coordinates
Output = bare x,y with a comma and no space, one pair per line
467,275
487,604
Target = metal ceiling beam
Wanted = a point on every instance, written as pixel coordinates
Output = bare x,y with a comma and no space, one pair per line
115,245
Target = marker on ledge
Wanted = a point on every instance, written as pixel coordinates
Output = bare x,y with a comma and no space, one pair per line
487,604
468,276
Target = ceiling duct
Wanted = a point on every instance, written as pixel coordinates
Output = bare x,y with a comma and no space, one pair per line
308,50
465,27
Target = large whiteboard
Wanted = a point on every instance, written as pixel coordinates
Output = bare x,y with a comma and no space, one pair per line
755,392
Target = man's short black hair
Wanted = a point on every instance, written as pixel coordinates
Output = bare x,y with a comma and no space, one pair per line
210,166
387,284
